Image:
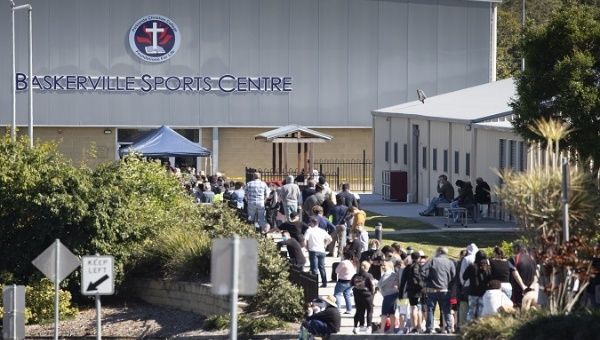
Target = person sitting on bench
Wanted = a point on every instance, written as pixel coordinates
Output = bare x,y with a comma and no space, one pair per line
446,191
465,198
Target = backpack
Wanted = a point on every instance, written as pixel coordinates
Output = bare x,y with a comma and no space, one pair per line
417,279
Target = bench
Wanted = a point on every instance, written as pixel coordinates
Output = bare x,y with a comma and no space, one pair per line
461,216
439,209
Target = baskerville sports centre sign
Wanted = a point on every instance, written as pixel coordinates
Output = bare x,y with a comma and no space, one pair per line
148,83
155,39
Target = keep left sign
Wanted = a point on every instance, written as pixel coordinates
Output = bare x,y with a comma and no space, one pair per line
97,275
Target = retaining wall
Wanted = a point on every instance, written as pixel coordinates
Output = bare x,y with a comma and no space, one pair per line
186,296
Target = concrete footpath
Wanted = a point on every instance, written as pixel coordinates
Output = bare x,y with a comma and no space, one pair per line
374,203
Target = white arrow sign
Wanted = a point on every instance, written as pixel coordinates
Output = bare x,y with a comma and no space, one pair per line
97,275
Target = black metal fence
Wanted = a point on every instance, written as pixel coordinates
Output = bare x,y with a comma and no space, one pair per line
356,172
308,281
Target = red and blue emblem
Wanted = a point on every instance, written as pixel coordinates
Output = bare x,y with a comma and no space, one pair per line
154,38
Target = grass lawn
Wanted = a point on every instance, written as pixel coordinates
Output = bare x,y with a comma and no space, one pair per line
391,223
455,241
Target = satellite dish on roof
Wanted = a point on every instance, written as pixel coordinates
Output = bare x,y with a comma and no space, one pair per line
421,95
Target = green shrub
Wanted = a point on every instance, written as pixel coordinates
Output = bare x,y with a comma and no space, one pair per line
39,298
581,325
496,327
276,294
247,324
182,253
42,197
39,302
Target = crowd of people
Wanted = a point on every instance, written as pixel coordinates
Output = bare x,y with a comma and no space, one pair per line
314,219
413,285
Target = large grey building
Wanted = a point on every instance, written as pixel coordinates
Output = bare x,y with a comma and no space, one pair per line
226,70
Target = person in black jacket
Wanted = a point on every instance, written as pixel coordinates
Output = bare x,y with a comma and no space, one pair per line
411,286
482,191
294,250
323,320
363,290
478,274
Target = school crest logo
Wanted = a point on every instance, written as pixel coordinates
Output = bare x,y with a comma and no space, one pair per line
154,38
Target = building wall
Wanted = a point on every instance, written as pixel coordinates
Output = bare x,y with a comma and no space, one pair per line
346,58
440,135
79,144
238,148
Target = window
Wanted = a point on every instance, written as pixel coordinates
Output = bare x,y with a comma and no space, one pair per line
468,164
512,158
434,160
522,161
456,160
405,154
502,154
396,152
424,157
445,160
387,151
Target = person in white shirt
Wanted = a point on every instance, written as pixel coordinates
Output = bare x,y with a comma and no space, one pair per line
494,299
315,241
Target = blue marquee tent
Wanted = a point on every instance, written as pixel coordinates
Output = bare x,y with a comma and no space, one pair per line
164,142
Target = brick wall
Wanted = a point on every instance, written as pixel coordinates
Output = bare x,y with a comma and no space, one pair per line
186,296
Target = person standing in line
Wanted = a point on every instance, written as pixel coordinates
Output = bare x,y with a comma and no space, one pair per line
494,299
363,290
348,198
500,271
412,284
257,192
439,273
524,278
315,241
294,250
339,214
344,271
388,287
290,197
478,274
463,303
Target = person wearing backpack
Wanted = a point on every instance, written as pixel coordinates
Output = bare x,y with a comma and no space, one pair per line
363,290
411,285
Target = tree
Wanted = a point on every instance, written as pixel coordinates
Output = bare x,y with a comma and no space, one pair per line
510,13
534,198
562,77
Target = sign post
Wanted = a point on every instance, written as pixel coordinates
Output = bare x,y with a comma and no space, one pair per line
97,279
56,262
241,279
14,312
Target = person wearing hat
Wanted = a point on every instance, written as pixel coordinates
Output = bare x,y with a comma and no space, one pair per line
323,320
411,285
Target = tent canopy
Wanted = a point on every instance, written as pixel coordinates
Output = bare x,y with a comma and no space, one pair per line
164,142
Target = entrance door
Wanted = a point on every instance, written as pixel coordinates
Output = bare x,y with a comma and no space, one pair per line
415,143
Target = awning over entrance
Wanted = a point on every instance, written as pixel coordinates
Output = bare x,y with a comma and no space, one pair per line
300,135
164,142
